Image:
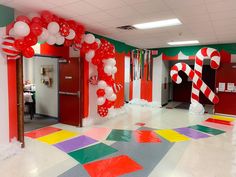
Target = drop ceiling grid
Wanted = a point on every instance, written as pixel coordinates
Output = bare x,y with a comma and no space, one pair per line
209,21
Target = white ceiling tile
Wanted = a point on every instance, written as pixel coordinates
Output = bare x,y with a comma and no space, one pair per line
150,7
80,8
183,4
60,2
123,12
209,21
106,4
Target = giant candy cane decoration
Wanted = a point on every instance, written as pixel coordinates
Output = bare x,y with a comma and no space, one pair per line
202,54
197,81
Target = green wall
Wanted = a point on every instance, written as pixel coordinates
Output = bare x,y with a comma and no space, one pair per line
6,15
192,50
120,46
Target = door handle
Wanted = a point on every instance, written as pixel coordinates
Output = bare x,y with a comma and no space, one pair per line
70,93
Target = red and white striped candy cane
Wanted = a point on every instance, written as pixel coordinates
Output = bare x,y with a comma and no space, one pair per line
200,85
204,53
9,49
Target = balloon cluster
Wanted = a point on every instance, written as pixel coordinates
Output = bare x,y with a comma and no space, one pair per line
44,27
101,53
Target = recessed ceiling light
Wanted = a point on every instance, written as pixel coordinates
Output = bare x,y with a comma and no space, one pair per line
158,24
184,42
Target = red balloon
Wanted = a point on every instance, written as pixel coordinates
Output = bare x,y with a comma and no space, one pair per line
30,40
64,29
94,46
100,92
47,16
102,111
108,104
20,44
80,29
77,39
37,20
55,18
36,28
72,24
68,43
23,19
28,52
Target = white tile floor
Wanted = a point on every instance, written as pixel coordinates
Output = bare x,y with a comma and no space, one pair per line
210,157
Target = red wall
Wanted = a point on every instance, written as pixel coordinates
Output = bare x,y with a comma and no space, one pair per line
120,78
227,104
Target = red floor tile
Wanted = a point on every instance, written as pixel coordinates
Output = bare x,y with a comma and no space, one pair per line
140,124
146,136
112,167
217,121
42,132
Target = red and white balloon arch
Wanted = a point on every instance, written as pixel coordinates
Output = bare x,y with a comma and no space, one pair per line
43,27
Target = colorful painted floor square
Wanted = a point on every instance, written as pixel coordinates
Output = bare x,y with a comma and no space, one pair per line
120,135
92,153
172,136
58,137
75,143
96,157
42,132
117,166
98,133
146,136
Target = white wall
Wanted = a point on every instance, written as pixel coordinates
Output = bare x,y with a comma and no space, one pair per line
46,97
165,79
157,80
92,93
127,77
29,70
4,107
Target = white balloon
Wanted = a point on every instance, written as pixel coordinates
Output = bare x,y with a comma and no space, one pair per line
21,29
108,92
108,69
112,97
32,15
71,35
51,40
98,42
12,32
114,70
89,55
44,35
110,61
101,100
53,27
59,39
89,38
102,84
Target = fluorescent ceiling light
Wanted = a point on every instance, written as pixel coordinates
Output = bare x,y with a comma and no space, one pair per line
183,42
158,24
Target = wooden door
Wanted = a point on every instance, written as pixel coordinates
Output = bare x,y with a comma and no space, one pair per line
70,80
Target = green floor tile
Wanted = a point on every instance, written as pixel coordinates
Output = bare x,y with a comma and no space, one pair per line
208,130
92,153
120,135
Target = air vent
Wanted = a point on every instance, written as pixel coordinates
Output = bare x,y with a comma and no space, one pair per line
126,27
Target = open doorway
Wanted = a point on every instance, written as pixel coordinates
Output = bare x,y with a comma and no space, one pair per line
41,101
181,93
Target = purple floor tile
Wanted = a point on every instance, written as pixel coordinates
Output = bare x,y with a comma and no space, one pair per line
191,133
75,143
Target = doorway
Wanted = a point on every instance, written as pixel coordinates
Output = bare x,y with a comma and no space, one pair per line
40,77
56,92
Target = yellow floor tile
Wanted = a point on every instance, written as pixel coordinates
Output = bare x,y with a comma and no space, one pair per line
172,135
58,137
230,119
